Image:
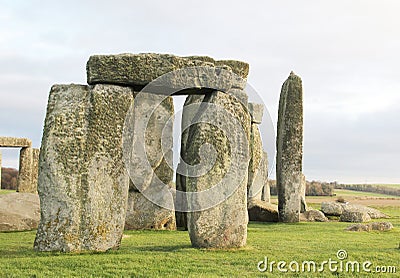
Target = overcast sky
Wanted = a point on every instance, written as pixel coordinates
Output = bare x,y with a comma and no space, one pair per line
346,52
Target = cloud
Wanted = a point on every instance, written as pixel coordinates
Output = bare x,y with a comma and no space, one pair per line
345,51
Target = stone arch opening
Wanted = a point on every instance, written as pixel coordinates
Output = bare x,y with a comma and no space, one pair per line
28,163
82,166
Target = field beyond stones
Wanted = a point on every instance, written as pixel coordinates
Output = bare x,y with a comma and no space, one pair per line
169,253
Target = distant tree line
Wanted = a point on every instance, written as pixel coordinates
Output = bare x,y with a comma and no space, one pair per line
373,188
313,188
9,177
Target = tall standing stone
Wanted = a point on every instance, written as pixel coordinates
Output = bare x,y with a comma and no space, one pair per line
190,110
219,218
290,149
83,184
143,213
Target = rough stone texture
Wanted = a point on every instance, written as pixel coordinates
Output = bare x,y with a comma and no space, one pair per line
303,203
255,180
143,214
354,216
19,212
290,149
313,216
151,162
266,193
332,208
256,111
189,111
83,184
223,225
337,209
141,69
262,211
28,170
15,142
375,226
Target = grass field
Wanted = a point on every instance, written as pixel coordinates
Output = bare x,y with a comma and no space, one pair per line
4,191
169,253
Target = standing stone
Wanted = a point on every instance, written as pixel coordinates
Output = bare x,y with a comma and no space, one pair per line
143,213
35,169
303,203
83,184
255,179
266,191
28,170
290,149
189,111
218,208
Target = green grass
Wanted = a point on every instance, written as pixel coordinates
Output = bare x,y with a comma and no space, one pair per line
344,192
169,253
5,191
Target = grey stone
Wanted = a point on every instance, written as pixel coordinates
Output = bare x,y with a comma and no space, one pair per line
256,111
266,191
28,170
290,149
256,176
303,203
262,211
313,216
141,69
375,226
15,142
219,218
83,184
190,109
354,216
332,208
337,209
150,164
143,214
19,212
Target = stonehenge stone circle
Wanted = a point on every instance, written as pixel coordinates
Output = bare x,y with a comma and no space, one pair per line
289,158
28,163
83,184
86,195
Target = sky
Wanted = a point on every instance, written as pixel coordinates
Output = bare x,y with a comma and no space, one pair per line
346,52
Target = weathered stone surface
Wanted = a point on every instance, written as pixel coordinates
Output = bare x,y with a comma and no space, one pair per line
262,211
19,212
375,226
83,184
219,224
266,192
332,208
303,203
15,142
141,69
313,216
143,214
337,209
354,216
256,111
190,109
28,170
151,158
258,166
289,156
